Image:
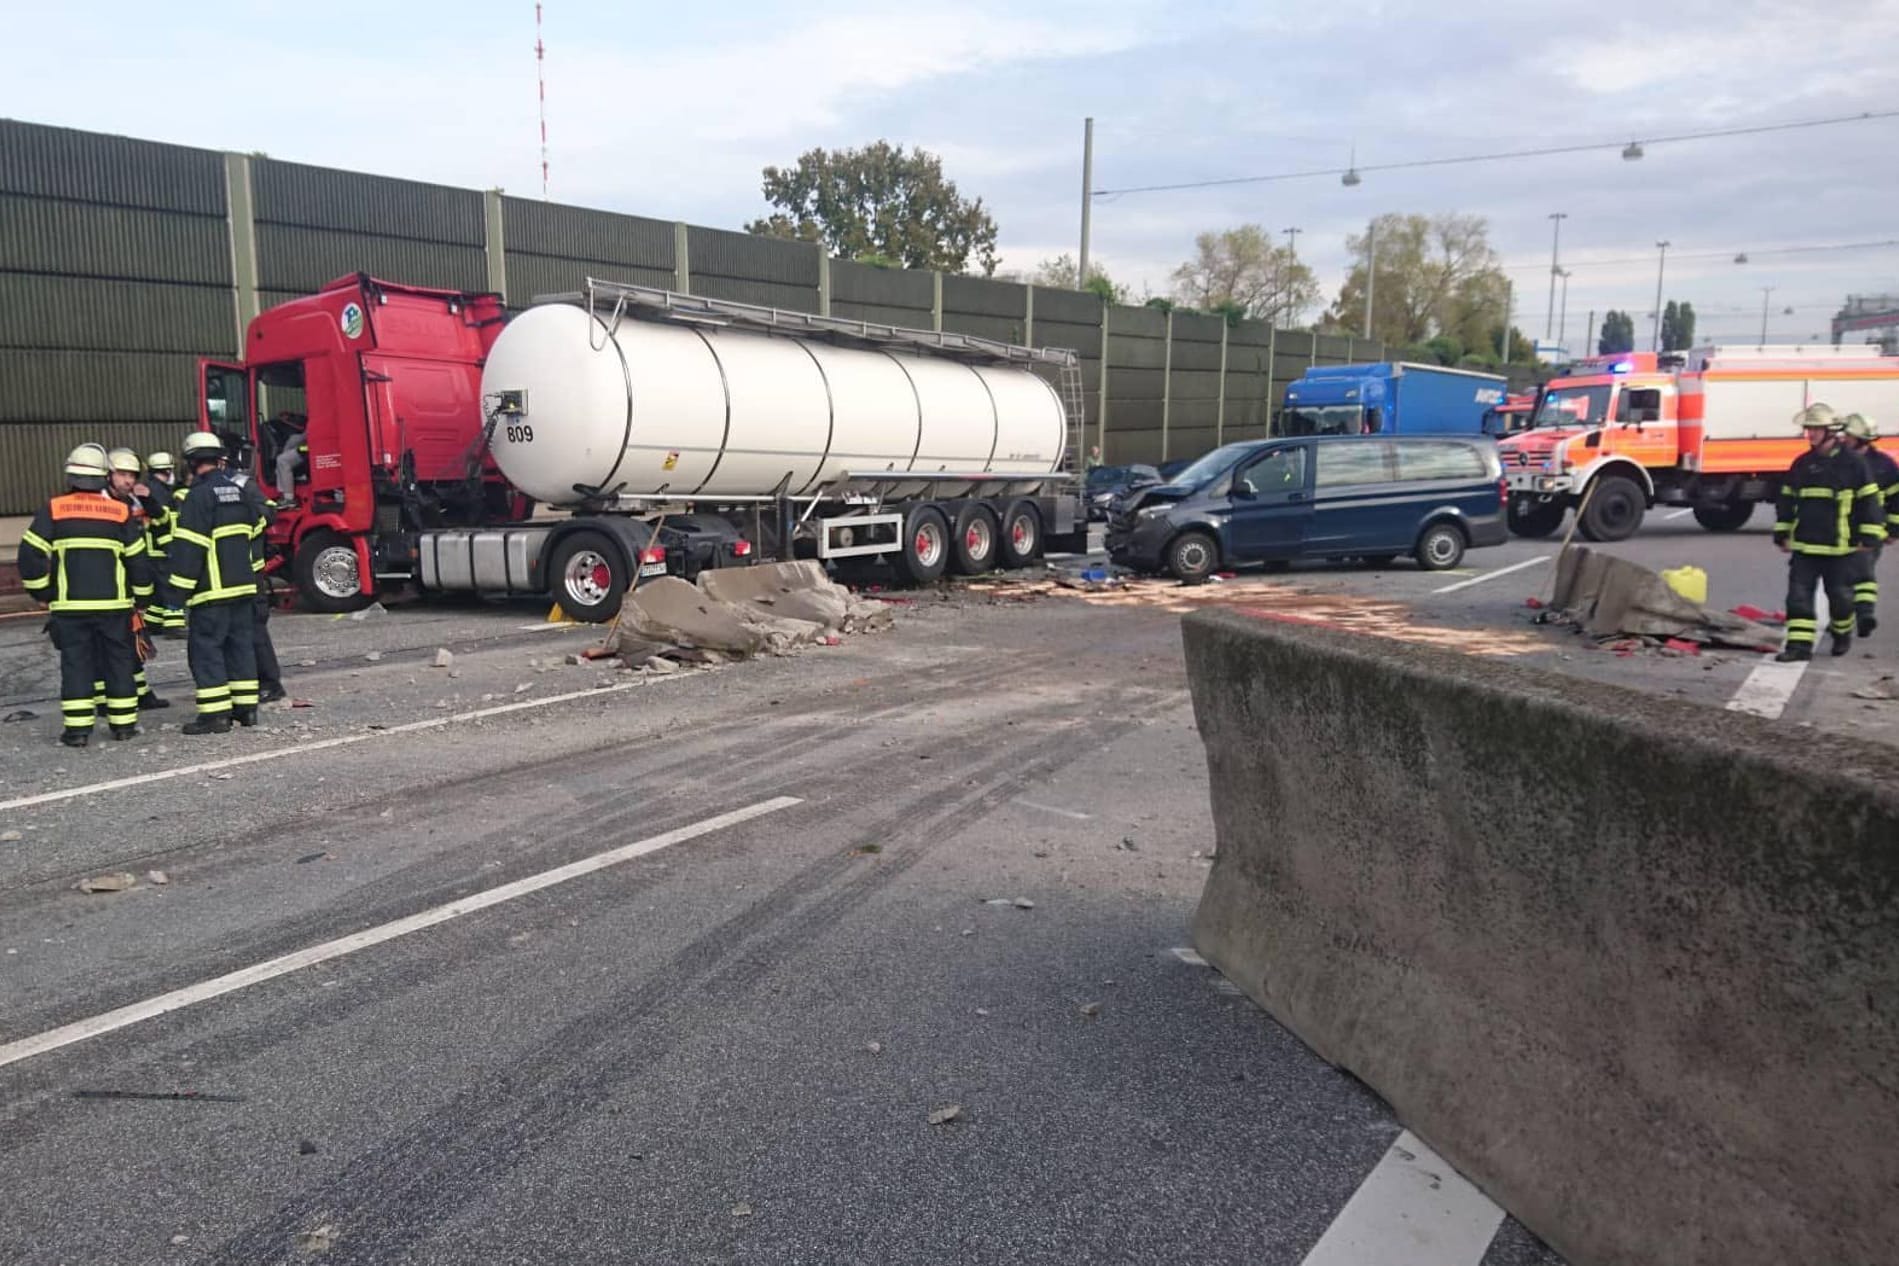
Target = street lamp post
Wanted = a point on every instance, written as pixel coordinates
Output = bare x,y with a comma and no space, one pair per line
1556,237
1767,293
1562,325
1087,197
1371,271
1661,266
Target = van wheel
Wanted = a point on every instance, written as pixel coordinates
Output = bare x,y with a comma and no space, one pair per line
1441,547
1724,516
1616,509
328,573
1192,557
1021,540
925,551
973,542
588,577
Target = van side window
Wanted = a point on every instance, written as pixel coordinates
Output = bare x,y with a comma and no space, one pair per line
1280,471
1353,464
1439,461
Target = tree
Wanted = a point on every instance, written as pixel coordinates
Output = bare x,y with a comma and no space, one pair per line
1059,274
1435,276
880,200
1618,333
1240,270
1678,326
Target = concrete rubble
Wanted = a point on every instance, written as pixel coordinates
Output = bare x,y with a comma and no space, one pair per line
773,609
1607,596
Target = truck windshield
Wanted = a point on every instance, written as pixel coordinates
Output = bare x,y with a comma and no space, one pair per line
1574,406
1209,466
1339,419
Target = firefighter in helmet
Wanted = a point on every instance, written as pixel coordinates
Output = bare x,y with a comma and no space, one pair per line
1862,436
124,487
211,568
161,477
84,557
1829,511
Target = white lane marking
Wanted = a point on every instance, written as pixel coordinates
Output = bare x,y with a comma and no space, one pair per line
544,626
1678,514
1049,808
303,749
257,973
1492,575
1770,687
1412,1210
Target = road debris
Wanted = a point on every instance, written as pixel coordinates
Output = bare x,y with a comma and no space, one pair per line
119,881
1606,595
178,1241
158,877
1885,688
306,1147
660,665
10,837
307,858
23,714
374,657
524,687
741,1210
1090,1010
321,1240
946,1114
369,612
444,658
875,1048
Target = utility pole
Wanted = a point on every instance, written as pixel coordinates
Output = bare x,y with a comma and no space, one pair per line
1292,248
1087,197
1562,325
1556,237
1767,293
1661,266
1589,333
1509,311
1371,273
1292,242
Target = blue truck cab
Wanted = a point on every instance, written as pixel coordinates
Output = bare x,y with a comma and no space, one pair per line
1271,501
1390,398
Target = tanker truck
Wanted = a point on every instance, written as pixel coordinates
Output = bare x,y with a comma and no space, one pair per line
623,432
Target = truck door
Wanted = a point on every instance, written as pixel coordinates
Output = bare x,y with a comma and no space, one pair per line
1643,427
224,404
431,409
1270,505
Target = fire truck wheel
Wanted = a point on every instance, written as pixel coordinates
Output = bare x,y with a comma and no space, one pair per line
1724,516
1616,509
1021,540
926,547
1536,519
329,575
588,577
973,542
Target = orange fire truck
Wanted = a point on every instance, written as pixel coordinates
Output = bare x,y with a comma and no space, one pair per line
1710,429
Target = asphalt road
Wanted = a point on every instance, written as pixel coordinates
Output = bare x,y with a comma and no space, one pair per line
721,1047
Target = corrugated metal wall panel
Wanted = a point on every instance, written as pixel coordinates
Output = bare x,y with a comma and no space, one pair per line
1078,306
533,275
720,253
980,296
1137,322
57,162
1001,329
132,316
908,318
33,457
763,293
290,258
380,206
546,228
46,386
891,287
48,236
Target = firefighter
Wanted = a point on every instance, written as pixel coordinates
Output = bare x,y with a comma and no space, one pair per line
1862,435
211,567
125,488
166,492
1828,511
84,557
270,674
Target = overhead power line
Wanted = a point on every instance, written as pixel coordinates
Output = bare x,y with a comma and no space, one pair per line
1738,256
1630,148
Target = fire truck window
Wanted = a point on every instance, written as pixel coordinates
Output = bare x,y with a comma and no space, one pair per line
1640,404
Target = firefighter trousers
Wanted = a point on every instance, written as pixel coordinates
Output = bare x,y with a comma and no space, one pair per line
219,647
1866,580
163,613
96,648
1832,572
269,672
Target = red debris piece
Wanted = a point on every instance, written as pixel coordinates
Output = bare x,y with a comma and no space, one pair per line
1748,612
1683,645
301,703
1534,604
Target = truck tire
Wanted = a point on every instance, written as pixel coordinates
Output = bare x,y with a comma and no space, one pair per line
328,573
1536,519
1020,540
588,575
1441,547
973,540
926,547
1724,516
1192,556
1615,510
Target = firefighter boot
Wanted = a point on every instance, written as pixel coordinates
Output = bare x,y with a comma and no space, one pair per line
149,702
246,717
1842,643
1796,653
122,732
270,692
213,723
74,738
1867,620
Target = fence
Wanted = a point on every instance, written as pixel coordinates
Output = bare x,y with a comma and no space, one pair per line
122,262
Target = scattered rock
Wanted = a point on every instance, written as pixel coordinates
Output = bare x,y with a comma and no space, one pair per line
158,877
1090,1009
307,858
524,687
1020,903
301,703
741,1210
117,882
323,1239
574,661
306,1147
875,1048
369,612
180,1240
374,657
983,1012
24,714
1127,844
969,931
10,837
944,1115
1023,903
306,663
655,664
222,777
998,901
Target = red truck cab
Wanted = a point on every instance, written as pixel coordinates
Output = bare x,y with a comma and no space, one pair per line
381,384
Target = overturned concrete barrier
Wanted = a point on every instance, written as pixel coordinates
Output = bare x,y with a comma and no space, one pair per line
1630,964
1609,595
797,591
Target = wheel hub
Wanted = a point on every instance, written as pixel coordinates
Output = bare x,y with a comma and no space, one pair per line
588,578
335,572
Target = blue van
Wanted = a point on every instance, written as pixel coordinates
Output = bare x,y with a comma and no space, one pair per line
1372,497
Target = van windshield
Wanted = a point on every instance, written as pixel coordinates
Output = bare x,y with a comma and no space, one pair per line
1338,419
1210,466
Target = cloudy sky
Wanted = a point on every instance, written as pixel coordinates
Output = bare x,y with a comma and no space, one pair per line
671,110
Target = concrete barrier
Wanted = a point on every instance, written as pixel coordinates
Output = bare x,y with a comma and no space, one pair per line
1630,964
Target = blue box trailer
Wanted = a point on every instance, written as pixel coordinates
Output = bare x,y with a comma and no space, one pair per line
1390,397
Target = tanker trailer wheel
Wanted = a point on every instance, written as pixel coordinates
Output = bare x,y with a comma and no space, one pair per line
1616,509
925,552
329,575
588,577
973,542
1021,538
1536,519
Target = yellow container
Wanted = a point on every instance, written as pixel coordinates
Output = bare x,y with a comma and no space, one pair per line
1690,582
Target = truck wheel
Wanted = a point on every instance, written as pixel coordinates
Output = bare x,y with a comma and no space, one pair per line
1021,539
1724,516
1616,509
1192,557
1441,547
926,548
588,577
1536,519
329,575
973,542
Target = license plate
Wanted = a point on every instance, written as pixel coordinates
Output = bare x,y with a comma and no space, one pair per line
652,569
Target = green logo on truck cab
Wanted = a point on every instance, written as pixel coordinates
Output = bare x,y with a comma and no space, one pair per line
352,320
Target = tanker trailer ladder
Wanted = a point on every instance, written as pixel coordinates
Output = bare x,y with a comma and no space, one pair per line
1076,403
